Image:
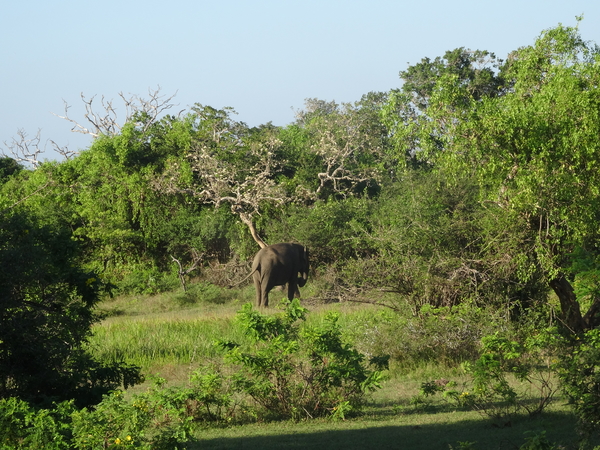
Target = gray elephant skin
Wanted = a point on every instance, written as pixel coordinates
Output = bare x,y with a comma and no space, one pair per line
277,265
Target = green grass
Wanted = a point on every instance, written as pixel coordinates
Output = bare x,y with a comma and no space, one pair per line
172,338
154,341
430,431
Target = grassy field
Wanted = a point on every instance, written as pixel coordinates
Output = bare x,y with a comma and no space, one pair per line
171,338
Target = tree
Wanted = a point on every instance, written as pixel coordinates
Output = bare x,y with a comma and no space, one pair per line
347,142
433,92
535,153
46,314
8,167
228,163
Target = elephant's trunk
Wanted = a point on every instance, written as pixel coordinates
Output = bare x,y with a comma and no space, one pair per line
302,279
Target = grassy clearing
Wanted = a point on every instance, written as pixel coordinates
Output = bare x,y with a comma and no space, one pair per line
172,338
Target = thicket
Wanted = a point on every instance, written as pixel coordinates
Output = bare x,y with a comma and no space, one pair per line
46,315
475,185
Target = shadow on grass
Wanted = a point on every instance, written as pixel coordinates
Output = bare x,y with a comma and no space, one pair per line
400,433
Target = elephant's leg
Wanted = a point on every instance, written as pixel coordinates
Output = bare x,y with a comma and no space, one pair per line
293,290
259,298
266,287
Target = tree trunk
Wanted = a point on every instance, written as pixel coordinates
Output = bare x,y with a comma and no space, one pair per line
570,310
592,316
247,220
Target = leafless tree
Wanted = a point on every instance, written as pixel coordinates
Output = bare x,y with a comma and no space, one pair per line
181,272
246,188
341,138
25,149
104,120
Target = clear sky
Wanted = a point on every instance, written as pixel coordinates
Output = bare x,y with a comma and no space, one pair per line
261,57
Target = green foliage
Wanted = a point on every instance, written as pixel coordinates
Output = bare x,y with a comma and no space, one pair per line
533,151
160,418
46,314
23,427
493,391
293,372
8,167
464,445
334,231
427,239
473,69
444,335
146,280
580,377
417,114
538,441
155,420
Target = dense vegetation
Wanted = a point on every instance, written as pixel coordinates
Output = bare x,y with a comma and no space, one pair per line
473,188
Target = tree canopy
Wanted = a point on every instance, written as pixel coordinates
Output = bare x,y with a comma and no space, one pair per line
533,149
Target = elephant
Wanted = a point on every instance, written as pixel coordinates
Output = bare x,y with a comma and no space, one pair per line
277,265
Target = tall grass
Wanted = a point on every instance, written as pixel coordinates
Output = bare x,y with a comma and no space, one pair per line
161,330
178,337
147,342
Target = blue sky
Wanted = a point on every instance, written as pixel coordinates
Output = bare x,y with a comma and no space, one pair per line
263,58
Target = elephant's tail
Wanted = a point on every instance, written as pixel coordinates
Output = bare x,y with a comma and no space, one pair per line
254,269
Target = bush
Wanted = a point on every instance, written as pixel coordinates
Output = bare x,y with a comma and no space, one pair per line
46,315
147,281
22,426
294,372
445,336
160,418
502,363
528,362
333,231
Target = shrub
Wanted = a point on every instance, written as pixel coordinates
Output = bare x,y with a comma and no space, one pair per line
46,315
492,391
160,418
447,336
300,372
147,281
22,426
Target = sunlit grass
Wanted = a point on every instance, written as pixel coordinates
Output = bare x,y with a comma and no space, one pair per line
157,330
171,337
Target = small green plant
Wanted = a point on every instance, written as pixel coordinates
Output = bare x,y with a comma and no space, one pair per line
464,445
538,441
503,364
492,392
160,418
300,372
22,426
502,360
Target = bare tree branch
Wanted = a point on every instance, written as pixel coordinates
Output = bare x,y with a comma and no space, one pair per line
341,140
224,169
104,120
196,259
25,149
